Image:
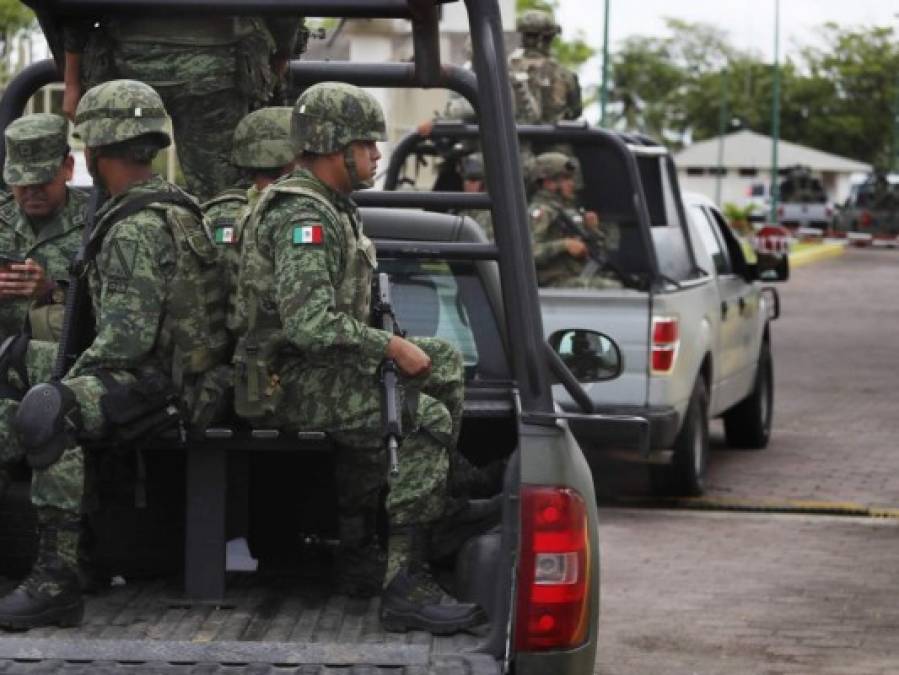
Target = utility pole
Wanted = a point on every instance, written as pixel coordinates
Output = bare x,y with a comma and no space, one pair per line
723,115
604,90
896,129
775,117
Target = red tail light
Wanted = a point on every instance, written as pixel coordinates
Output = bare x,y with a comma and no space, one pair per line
665,336
866,219
554,570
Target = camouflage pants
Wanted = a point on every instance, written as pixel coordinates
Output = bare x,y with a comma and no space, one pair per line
346,404
204,130
60,485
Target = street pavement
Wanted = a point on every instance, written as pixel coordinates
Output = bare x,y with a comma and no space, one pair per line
780,590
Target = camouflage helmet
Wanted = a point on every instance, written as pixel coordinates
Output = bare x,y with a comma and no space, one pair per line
551,165
262,139
328,116
537,21
473,167
36,145
118,111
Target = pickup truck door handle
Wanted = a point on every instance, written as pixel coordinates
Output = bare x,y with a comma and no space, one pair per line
724,308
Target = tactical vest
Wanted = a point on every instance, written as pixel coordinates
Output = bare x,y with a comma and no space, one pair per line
263,347
193,326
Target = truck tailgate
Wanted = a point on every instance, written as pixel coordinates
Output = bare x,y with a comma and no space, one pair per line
275,626
623,315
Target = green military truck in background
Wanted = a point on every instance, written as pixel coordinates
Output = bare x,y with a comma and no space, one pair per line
160,531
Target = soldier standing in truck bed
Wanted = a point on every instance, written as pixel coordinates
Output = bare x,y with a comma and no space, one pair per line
209,70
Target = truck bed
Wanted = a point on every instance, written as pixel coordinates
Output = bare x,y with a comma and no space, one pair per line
265,625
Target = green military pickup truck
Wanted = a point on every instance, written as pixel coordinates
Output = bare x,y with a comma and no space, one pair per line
161,535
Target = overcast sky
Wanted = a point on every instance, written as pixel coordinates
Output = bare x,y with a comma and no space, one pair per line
749,22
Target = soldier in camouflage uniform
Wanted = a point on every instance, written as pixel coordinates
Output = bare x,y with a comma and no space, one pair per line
263,151
473,181
154,285
555,88
307,358
209,70
562,258
41,222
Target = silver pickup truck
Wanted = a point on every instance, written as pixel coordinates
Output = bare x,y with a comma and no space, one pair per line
692,321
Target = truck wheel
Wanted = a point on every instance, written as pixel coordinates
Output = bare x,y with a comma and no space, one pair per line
748,424
685,476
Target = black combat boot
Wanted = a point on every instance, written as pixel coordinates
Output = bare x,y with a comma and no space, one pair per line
413,600
51,594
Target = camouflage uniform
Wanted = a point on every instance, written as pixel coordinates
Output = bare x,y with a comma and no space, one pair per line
261,142
36,145
143,290
473,169
555,265
209,70
307,358
556,89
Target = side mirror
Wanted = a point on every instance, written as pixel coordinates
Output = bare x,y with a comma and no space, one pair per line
590,356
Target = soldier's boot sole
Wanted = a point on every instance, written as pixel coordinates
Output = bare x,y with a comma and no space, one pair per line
399,621
69,615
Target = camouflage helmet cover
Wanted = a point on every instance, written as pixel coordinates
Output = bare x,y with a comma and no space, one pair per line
551,165
328,116
35,148
262,139
473,167
537,21
118,111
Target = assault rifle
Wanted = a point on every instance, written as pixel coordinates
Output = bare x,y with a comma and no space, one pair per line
76,326
598,260
391,406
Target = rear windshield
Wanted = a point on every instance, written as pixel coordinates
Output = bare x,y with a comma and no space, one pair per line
448,301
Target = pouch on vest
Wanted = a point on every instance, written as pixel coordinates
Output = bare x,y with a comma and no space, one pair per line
257,386
46,322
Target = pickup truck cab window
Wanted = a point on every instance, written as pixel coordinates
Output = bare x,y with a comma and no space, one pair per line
711,242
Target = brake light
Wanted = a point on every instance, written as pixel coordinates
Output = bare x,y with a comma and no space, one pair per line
554,570
665,338
866,219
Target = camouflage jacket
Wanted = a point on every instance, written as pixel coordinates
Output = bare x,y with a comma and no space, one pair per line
224,217
144,313
555,266
53,248
556,89
196,54
483,218
307,267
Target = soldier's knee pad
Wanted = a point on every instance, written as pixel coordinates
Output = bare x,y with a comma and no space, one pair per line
48,421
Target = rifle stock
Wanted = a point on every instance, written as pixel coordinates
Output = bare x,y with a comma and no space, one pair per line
76,324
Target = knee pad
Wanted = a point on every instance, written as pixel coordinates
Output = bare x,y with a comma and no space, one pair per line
48,421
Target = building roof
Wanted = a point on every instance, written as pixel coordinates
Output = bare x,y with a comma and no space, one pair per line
747,149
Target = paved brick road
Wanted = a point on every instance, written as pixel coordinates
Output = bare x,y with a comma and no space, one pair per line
725,593
722,592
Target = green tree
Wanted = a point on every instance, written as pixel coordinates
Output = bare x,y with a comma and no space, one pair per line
14,19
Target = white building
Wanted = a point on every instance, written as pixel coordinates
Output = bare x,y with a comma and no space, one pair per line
746,160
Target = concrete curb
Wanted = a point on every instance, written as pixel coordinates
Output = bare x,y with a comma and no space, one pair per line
785,506
816,254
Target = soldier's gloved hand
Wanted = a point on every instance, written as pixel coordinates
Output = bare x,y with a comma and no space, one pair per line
409,357
591,220
25,280
575,247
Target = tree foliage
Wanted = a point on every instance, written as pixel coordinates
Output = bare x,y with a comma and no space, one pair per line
838,97
14,18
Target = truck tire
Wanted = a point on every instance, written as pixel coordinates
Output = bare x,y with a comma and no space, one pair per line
748,424
685,476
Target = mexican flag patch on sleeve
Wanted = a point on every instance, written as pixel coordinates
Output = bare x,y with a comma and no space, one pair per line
224,235
308,234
